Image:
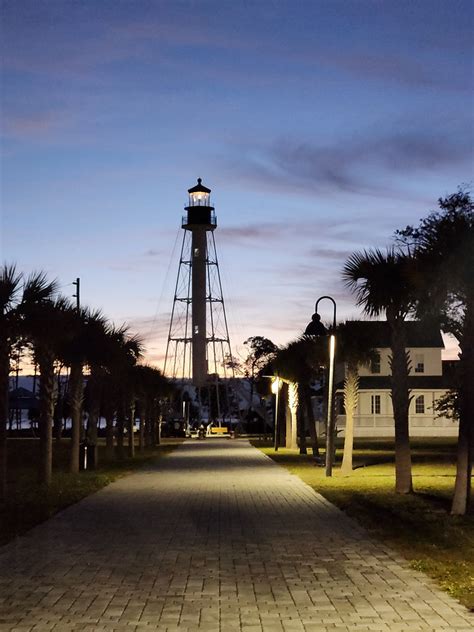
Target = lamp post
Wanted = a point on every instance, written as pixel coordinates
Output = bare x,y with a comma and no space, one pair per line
276,392
316,328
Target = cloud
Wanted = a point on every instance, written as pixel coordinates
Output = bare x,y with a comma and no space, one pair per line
329,254
249,232
404,71
364,165
36,125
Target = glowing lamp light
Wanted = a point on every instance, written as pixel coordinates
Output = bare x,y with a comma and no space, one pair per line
199,195
275,385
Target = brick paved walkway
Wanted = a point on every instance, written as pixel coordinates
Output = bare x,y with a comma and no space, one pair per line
213,537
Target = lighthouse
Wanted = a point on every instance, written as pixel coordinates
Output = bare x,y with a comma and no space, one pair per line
198,338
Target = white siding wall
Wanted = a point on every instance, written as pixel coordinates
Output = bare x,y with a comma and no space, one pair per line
384,364
368,424
431,358
424,424
432,361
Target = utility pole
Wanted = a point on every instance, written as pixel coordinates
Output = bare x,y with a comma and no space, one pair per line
77,295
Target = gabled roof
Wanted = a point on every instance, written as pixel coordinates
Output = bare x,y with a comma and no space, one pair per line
418,334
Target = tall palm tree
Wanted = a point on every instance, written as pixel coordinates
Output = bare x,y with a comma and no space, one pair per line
46,326
132,351
385,283
354,348
110,397
101,351
15,301
124,350
76,354
150,385
10,281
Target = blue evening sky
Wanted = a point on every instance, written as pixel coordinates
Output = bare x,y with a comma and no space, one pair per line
321,127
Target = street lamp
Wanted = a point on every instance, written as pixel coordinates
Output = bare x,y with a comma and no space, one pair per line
276,392
316,328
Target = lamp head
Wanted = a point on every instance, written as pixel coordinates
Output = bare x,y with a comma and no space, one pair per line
316,327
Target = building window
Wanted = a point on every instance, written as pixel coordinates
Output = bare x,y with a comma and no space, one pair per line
419,364
375,404
420,405
375,364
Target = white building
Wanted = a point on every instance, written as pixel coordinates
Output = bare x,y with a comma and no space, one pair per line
429,378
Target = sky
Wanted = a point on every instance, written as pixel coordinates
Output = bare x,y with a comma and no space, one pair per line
321,127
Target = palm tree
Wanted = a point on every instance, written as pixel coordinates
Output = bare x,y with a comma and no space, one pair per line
386,283
10,281
101,351
110,397
46,326
149,387
112,373
36,289
76,354
298,363
130,350
354,349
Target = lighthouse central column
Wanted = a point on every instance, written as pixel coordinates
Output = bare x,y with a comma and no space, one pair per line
199,257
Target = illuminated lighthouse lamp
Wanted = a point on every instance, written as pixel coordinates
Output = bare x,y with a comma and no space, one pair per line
199,195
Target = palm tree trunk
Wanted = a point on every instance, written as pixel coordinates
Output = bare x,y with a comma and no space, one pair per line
76,388
109,435
351,399
141,435
462,486
401,404
311,420
291,426
58,410
46,407
94,407
149,424
301,419
120,430
130,428
4,373
157,420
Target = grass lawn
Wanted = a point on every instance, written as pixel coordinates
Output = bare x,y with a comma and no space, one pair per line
29,504
418,526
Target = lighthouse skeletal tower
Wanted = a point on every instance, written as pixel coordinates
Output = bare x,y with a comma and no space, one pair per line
198,338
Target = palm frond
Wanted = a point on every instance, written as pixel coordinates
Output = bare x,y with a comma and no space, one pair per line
9,285
381,281
37,288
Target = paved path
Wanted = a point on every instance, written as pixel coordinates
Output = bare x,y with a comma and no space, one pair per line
213,537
